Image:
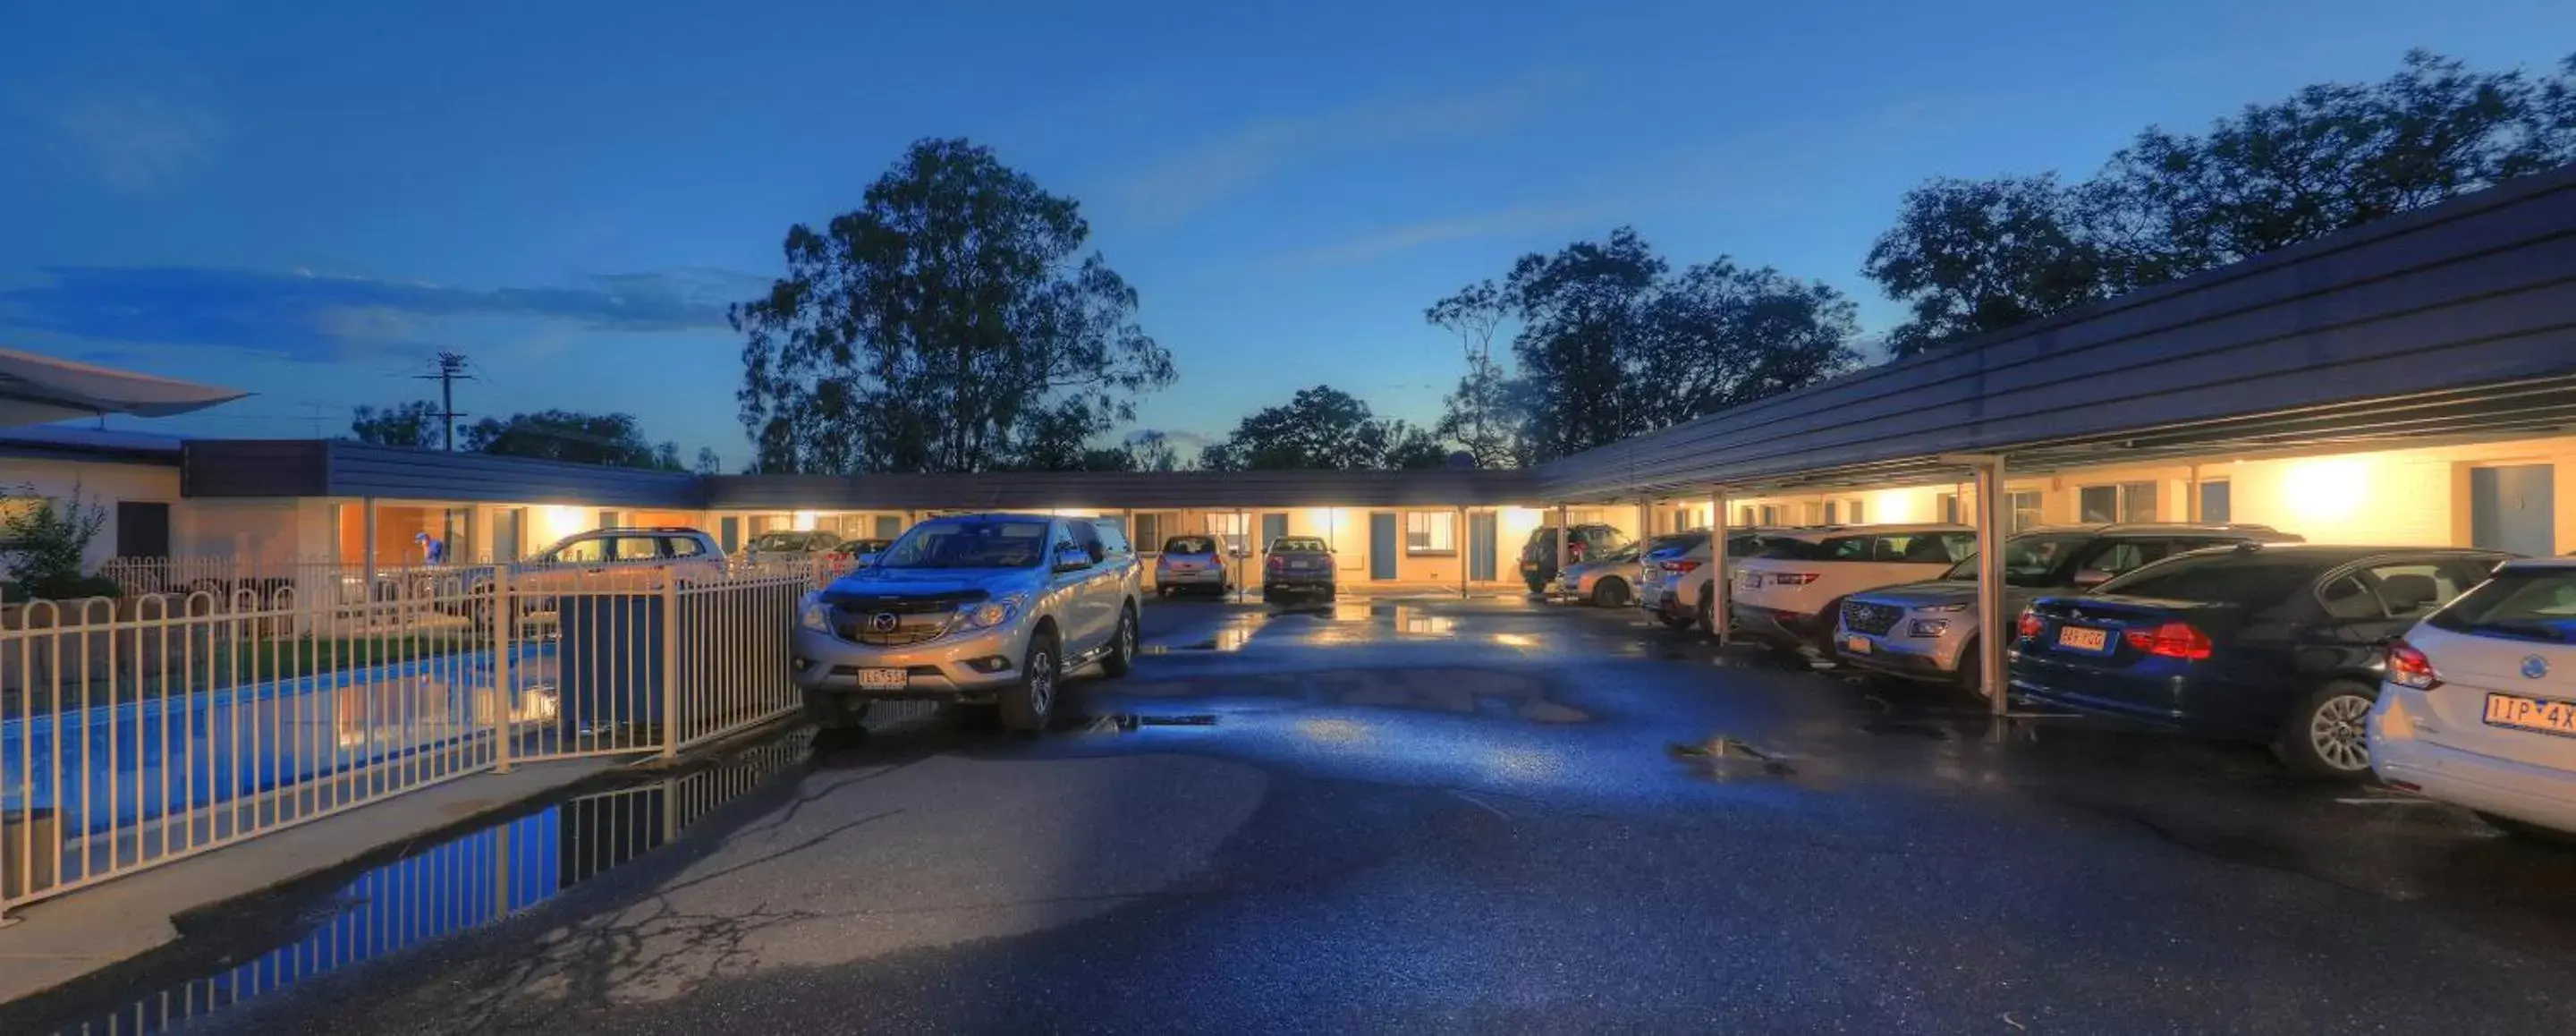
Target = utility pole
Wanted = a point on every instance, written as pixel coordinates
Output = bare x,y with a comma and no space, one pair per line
451,369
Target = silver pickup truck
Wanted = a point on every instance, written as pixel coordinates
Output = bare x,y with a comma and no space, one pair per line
977,609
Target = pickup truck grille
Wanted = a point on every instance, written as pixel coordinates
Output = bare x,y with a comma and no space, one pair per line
1873,619
869,626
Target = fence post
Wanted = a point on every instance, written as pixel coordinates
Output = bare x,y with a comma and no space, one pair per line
670,663
505,636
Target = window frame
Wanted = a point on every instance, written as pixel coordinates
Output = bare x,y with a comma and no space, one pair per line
1447,522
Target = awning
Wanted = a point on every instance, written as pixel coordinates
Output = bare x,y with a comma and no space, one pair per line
36,389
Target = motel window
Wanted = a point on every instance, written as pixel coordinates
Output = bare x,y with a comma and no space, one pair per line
607,520
1852,513
1430,532
1230,529
1950,508
2214,503
2025,509
1149,530
2126,502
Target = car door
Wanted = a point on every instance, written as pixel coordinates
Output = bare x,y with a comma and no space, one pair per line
1074,590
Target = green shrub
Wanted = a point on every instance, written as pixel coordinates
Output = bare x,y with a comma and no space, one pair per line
42,540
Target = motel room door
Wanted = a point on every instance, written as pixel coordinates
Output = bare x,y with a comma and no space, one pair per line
1480,546
2511,508
1383,544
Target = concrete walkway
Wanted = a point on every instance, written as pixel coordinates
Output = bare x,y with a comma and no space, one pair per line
62,939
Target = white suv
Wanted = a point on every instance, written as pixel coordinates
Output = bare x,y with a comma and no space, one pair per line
1788,592
2479,706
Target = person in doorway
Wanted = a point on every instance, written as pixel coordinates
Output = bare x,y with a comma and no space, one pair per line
433,550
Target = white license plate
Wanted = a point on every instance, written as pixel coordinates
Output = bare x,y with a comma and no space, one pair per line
1856,645
884,679
2520,713
2083,638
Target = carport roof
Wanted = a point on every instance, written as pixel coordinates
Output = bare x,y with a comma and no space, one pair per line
2455,321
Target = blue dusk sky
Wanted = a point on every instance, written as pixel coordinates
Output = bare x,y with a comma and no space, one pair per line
307,201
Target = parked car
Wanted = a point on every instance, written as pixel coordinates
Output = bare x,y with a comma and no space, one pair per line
2479,706
1790,590
790,545
1297,565
1191,563
864,550
1674,588
599,560
984,608
1538,553
1928,631
2282,644
1605,581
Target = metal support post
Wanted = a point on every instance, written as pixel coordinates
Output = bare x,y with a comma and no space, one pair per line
1564,551
1466,546
670,663
367,532
1720,587
505,636
1992,518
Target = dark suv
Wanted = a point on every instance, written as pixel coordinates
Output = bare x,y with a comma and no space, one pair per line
1928,630
1538,555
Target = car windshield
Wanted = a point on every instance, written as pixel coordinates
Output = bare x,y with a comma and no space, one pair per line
2229,578
2518,603
1299,544
969,543
2031,559
1189,545
781,541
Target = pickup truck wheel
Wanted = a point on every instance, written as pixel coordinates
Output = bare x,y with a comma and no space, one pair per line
1028,704
1122,644
829,711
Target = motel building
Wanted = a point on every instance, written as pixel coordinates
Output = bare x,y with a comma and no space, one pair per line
2411,382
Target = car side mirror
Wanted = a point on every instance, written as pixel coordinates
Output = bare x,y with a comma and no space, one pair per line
2091,577
1072,559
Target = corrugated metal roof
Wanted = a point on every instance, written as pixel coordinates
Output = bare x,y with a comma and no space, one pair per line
2457,318
1142,491
316,467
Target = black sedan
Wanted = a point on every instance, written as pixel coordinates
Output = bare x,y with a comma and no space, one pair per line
2277,644
1298,566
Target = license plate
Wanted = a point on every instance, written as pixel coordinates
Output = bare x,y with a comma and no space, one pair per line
1856,645
2083,638
884,679
2520,713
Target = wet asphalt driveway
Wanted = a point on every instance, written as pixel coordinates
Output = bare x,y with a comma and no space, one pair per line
1498,815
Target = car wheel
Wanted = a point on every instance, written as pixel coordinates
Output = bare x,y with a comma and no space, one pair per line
829,711
1612,593
1971,671
2529,831
1028,704
1122,644
2328,734
1707,611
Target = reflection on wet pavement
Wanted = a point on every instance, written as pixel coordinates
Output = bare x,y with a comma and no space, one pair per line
460,883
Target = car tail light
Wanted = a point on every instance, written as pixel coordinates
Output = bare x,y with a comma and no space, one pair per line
2031,624
2172,640
1278,563
2409,667
1681,568
1795,578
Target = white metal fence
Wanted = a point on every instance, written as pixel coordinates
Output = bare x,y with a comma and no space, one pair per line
150,728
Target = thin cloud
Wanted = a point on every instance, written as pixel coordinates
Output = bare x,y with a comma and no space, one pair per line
313,318
1233,162
135,143
1379,244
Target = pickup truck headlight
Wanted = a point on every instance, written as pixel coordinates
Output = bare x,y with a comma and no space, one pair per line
985,615
813,615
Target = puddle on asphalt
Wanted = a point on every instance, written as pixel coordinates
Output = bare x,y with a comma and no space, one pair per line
1126,722
1725,758
462,883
